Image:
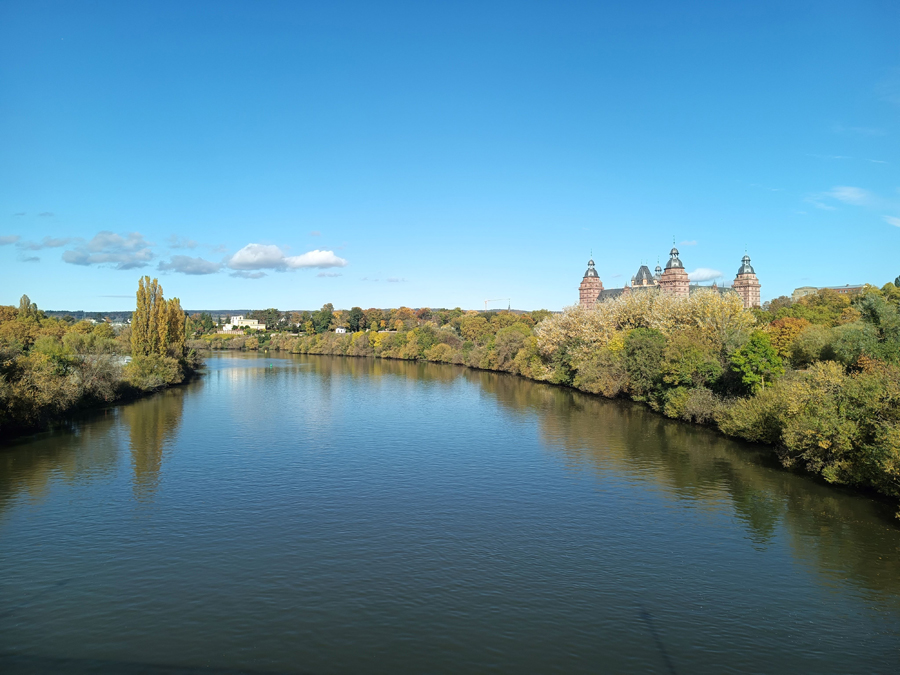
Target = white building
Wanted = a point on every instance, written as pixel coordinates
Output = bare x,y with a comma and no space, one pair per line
239,322
340,329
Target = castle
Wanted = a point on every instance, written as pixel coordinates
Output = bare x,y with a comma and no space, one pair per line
672,281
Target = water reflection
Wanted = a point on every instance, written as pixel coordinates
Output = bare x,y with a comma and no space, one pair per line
841,534
152,428
78,454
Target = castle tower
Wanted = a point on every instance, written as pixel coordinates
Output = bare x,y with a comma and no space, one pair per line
746,284
674,279
590,287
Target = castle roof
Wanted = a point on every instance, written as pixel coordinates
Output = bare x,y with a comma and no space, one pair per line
674,262
643,274
745,267
591,272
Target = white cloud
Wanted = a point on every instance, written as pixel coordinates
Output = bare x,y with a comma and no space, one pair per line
329,274
185,264
46,242
107,248
248,275
257,256
850,195
315,233
395,280
9,239
267,256
691,242
704,274
316,259
891,220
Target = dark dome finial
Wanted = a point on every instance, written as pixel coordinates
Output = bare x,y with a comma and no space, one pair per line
674,261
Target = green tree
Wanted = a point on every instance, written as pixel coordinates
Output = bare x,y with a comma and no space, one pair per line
757,361
27,309
322,319
644,351
357,319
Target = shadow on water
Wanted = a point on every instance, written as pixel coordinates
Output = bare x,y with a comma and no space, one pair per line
152,427
843,535
18,664
90,449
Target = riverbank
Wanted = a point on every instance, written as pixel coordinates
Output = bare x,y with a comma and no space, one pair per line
51,368
825,397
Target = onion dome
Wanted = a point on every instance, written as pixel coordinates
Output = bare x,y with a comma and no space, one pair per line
591,272
674,262
745,267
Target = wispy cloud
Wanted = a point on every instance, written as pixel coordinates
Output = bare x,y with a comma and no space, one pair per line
46,242
267,256
690,242
315,233
329,274
860,131
19,214
177,241
124,252
892,220
30,259
185,264
248,275
46,214
704,274
878,161
845,194
9,239
850,195
395,280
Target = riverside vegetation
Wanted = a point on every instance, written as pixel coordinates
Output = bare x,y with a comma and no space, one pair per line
49,367
818,379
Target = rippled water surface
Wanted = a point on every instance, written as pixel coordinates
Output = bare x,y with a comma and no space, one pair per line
325,515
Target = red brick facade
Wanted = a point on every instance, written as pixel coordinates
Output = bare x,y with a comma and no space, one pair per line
674,279
590,287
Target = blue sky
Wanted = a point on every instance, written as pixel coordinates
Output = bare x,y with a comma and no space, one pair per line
288,154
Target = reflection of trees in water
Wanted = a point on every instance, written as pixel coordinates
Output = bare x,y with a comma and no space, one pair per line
328,366
840,534
152,425
86,452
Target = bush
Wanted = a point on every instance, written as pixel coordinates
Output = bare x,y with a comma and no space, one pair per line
153,372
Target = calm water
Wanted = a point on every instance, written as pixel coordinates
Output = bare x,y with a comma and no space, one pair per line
325,515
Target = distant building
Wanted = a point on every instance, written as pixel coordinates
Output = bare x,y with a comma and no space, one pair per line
746,284
237,323
671,281
590,287
340,330
811,290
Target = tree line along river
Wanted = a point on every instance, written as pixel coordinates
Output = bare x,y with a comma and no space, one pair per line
339,515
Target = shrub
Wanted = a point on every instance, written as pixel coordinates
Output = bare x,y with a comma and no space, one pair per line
153,372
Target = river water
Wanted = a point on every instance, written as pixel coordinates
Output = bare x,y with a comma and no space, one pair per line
328,515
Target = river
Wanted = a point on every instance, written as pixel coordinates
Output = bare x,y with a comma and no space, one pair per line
327,515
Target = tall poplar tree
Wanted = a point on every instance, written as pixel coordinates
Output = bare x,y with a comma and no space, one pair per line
157,326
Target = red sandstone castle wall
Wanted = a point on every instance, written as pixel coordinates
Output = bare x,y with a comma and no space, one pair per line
588,291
